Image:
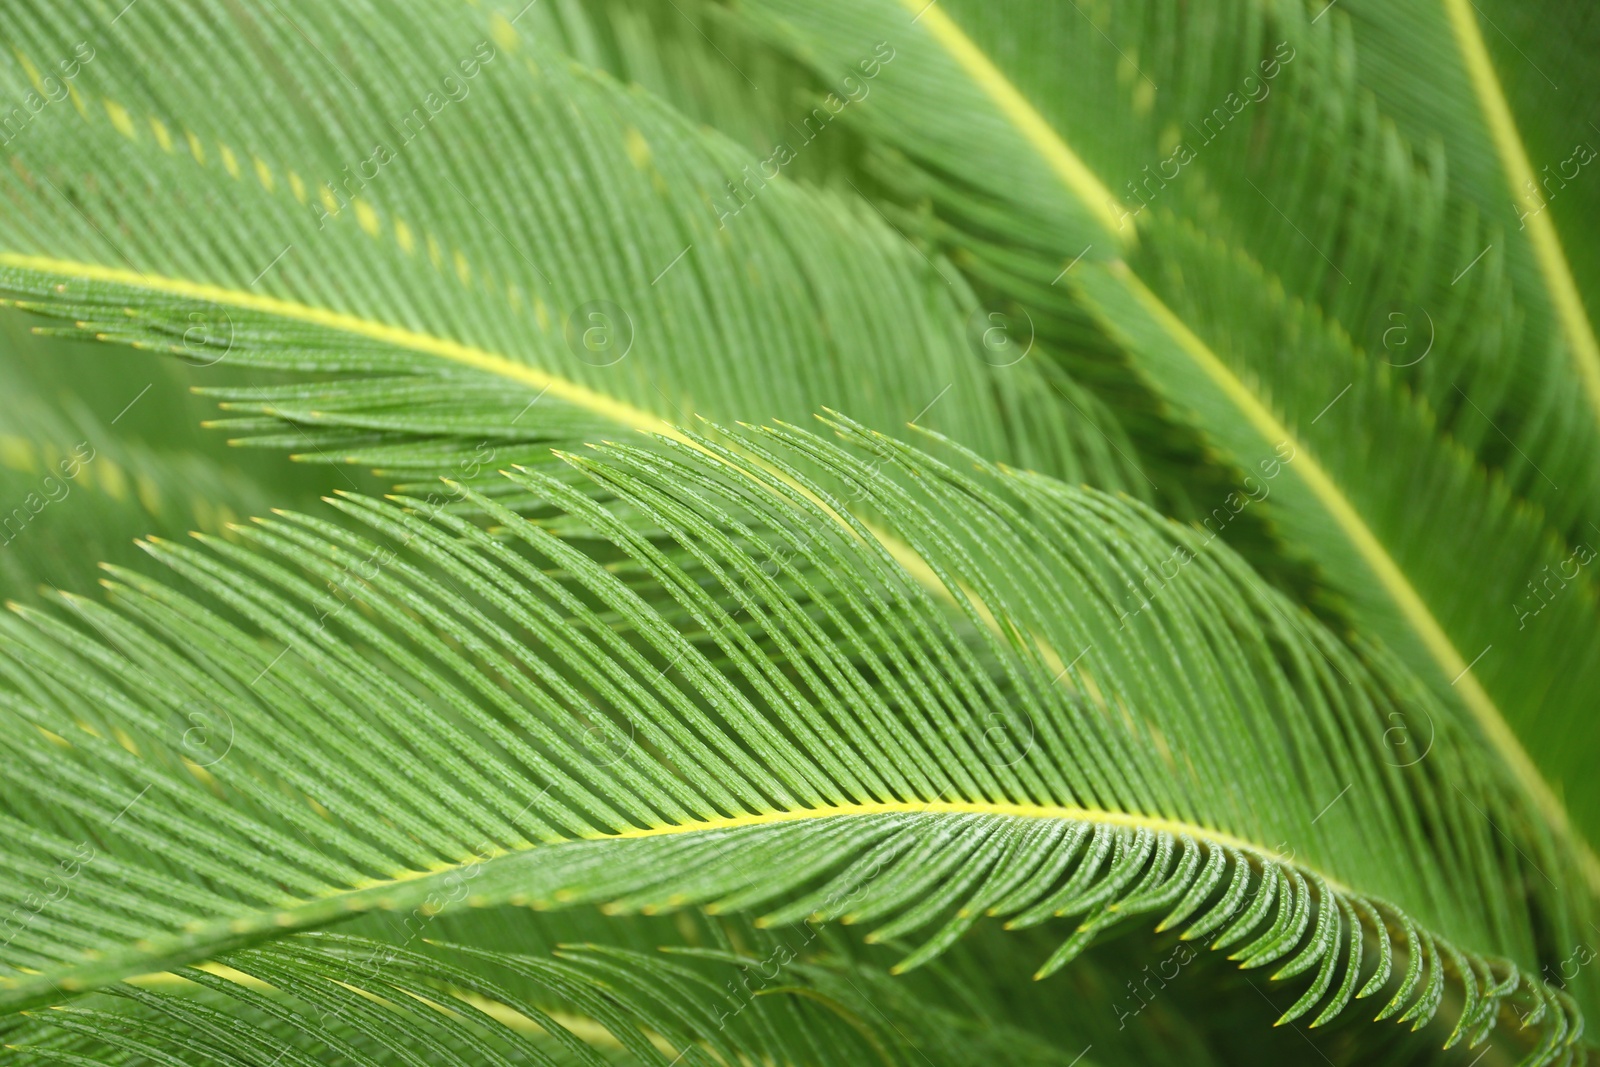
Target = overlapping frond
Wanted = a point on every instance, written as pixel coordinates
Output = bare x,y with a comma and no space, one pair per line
736,696
1322,223
1451,71
751,673
336,1000
1277,127
354,217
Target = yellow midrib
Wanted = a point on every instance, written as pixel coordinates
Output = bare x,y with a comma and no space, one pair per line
579,395
561,388
1076,176
1130,820
959,807
1127,820
283,913
1057,153
1542,234
1390,576
1388,572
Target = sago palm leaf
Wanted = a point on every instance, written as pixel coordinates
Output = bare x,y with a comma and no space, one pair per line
844,745
1263,270
635,1007
396,259
985,720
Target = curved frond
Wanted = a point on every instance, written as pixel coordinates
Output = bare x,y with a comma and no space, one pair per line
343,1000
646,270
631,685
1269,334
651,720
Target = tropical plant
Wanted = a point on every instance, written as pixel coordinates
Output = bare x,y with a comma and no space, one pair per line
1192,552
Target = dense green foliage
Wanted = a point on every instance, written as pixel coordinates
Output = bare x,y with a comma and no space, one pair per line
799,531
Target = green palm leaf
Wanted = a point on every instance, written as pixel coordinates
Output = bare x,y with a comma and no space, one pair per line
585,314
630,680
1509,132
1258,333
609,1004
745,739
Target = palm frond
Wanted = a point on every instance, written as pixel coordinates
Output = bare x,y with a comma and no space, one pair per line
390,268
1019,124
810,731
628,680
362,1001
